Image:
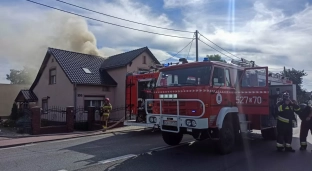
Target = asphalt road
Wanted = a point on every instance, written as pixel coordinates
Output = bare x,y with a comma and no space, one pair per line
144,150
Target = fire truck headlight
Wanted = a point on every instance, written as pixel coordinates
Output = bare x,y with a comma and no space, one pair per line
170,96
152,119
175,96
166,96
188,122
193,123
161,96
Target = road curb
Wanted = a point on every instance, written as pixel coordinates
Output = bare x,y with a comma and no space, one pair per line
40,135
78,136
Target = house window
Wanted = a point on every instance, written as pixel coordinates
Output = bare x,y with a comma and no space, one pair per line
52,76
52,60
45,105
218,77
227,78
144,59
92,103
105,88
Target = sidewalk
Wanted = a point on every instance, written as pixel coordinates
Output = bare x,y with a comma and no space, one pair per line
18,141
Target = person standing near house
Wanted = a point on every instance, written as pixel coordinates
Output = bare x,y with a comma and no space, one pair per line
107,108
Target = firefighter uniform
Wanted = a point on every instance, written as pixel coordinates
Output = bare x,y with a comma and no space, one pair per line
306,125
285,120
107,107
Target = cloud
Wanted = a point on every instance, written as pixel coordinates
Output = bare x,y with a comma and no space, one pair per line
181,3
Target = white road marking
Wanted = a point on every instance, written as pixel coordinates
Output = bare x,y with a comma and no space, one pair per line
62,170
118,158
170,147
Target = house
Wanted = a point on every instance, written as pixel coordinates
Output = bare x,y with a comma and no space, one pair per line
68,78
7,94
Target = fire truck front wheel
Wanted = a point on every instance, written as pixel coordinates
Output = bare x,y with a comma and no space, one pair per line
226,140
172,138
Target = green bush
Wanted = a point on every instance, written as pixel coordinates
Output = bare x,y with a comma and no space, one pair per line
9,123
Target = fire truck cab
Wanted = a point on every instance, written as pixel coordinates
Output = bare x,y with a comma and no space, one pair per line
217,101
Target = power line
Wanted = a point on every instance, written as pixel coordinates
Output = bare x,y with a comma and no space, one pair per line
216,49
123,18
190,48
108,22
178,52
220,47
189,51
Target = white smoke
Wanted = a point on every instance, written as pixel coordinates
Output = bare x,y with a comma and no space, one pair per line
26,41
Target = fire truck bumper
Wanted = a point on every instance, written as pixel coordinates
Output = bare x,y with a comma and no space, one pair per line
174,123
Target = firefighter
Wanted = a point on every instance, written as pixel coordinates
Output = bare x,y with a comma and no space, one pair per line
306,124
285,121
107,107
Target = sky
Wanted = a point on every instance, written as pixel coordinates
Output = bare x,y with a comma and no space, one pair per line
271,33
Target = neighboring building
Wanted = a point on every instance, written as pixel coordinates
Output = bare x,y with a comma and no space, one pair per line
8,93
74,79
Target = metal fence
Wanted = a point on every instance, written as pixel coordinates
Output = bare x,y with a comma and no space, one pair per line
54,116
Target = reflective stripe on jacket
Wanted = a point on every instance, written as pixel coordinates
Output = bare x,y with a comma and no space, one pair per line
107,108
286,113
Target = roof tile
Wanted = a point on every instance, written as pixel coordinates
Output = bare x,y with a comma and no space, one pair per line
125,58
73,62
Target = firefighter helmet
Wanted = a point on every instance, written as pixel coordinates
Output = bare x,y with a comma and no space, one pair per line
285,96
107,99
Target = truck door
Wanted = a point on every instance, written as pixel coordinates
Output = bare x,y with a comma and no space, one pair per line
252,91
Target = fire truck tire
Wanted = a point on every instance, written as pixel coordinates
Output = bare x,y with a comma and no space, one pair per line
172,138
226,140
269,134
237,130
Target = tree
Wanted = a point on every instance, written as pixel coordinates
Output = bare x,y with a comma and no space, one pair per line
296,77
24,76
215,57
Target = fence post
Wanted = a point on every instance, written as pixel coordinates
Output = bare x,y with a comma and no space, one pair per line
91,118
70,118
36,120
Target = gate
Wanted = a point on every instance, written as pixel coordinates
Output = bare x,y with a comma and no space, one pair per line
81,119
23,124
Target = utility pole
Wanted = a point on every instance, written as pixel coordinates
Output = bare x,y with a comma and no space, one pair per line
196,37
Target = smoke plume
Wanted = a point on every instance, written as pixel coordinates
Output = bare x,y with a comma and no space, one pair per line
25,42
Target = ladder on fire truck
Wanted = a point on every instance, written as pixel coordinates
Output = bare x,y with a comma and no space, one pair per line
273,78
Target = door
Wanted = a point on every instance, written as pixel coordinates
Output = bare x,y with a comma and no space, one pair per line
252,92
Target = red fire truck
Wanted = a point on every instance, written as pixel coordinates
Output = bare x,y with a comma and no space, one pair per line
217,101
138,88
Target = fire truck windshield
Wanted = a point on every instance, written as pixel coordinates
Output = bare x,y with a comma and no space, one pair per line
185,76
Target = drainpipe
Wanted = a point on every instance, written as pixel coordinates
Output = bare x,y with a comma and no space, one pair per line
75,95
